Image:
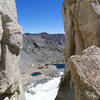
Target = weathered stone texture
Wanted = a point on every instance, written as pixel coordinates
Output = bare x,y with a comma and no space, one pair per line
81,22
82,82
11,41
85,73
82,28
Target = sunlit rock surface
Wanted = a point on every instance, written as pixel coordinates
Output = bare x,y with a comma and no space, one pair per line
82,81
81,23
11,43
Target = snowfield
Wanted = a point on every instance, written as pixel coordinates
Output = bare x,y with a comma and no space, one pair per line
46,91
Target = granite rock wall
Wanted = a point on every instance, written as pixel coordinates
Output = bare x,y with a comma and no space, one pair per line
11,43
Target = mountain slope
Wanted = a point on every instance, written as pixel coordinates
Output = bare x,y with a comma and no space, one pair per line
37,51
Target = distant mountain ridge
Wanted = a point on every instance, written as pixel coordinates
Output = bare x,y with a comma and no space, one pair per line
58,38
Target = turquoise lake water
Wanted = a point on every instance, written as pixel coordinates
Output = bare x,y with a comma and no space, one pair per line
36,74
58,66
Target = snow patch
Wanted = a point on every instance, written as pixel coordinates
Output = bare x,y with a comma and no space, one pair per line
61,73
96,6
46,91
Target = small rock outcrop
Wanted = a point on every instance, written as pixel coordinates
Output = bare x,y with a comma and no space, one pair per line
11,42
81,80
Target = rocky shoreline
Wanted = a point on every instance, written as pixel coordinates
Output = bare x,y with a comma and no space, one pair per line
46,71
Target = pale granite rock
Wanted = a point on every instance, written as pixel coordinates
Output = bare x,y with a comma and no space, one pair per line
11,41
85,74
82,81
82,27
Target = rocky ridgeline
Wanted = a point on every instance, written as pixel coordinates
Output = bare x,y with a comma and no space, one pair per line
11,43
58,39
81,80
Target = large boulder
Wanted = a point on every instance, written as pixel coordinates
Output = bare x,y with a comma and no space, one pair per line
85,74
11,41
82,81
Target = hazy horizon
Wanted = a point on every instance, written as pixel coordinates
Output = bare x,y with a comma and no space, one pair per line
42,32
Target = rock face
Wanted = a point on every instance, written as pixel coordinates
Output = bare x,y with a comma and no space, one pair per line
85,73
81,80
81,22
11,38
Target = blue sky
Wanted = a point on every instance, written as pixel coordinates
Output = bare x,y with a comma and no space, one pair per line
40,15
